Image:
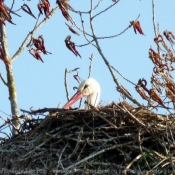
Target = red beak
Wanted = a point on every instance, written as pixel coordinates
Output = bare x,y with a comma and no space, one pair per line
75,98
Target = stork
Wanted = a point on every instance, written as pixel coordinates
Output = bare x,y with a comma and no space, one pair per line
89,88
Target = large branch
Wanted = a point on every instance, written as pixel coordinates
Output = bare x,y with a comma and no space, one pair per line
106,61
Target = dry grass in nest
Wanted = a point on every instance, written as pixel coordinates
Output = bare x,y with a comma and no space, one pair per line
116,139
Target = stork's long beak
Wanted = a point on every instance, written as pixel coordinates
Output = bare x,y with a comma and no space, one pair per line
75,98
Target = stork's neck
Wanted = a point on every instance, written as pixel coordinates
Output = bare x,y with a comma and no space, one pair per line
92,99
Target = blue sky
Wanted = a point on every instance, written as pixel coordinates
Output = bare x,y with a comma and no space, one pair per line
41,85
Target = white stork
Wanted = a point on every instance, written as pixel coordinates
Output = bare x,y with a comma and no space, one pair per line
89,88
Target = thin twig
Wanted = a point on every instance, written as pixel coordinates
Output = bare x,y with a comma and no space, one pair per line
131,163
65,84
97,4
77,144
106,37
141,150
90,65
135,118
84,33
93,155
3,80
123,76
33,30
65,80
104,9
60,156
154,18
106,121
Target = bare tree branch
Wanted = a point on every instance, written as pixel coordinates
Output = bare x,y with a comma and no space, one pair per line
21,48
123,76
65,80
90,65
154,18
65,84
107,63
97,4
84,33
104,10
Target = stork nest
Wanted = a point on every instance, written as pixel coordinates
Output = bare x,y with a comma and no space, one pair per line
116,139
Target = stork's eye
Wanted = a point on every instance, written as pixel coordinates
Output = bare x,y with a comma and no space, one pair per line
86,86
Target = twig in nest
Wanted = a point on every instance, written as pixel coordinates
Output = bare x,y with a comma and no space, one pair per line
93,155
131,163
78,157
161,161
140,146
43,123
77,144
68,142
41,111
137,120
91,106
4,134
60,156
106,121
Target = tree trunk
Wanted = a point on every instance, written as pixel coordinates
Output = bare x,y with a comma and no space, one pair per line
10,82
13,99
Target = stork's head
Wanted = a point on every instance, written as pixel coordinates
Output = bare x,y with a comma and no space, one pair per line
89,88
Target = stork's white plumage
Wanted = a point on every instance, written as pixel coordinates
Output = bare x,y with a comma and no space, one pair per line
89,88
